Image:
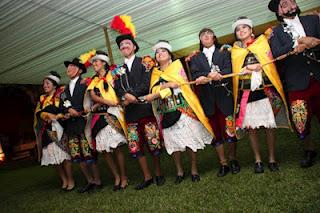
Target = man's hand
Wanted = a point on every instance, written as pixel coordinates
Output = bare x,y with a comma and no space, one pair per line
300,48
309,41
73,112
215,76
202,80
130,98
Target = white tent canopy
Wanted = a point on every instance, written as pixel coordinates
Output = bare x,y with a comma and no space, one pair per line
38,35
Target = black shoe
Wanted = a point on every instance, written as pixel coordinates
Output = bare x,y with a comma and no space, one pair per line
309,159
234,166
273,166
223,171
144,184
160,180
258,167
88,188
195,178
179,179
116,187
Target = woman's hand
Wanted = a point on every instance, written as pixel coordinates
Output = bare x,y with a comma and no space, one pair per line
149,98
253,67
171,85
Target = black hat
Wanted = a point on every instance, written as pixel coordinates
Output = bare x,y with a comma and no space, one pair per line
76,62
274,5
129,37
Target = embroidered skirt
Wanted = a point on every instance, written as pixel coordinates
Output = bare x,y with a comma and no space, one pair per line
53,155
186,132
259,114
108,139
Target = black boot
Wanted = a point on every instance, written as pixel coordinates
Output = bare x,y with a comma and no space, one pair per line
309,158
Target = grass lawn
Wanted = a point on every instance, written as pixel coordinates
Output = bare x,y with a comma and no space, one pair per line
27,187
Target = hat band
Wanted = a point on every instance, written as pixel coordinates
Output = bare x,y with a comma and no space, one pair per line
54,78
240,22
164,45
100,57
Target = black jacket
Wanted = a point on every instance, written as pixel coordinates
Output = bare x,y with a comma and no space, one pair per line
75,126
139,81
213,94
295,69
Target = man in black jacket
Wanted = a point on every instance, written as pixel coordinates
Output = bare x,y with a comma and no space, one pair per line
299,72
79,147
215,94
142,127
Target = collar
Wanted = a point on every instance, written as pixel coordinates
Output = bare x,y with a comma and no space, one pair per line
291,21
129,60
209,50
73,81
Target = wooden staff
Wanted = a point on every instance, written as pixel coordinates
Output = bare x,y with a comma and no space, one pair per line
240,73
108,44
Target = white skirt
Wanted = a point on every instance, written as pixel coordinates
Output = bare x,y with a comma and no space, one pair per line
259,114
186,132
108,139
53,155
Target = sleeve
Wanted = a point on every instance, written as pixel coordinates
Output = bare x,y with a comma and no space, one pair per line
226,66
163,93
278,46
195,69
118,89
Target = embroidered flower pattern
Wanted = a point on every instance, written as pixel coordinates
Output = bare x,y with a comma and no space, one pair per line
274,98
230,126
153,136
299,115
133,139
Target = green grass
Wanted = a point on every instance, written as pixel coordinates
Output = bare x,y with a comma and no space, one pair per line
27,187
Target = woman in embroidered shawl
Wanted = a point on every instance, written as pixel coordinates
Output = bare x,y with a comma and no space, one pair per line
178,110
258,93
48,130
107,124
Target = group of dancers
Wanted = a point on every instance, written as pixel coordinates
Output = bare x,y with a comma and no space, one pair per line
262,83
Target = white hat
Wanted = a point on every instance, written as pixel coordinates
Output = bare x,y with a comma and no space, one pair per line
162,44
241,21
101,57
52,76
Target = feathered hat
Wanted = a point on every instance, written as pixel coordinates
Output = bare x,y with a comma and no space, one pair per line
123,25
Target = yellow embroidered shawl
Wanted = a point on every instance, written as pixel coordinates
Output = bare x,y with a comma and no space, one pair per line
175,73
110,95
261,49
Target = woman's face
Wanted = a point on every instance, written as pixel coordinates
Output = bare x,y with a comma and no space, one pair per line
243,32
48,86
98,65
162,56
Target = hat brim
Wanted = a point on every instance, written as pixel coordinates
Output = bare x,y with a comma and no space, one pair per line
127,37
81,66
273,5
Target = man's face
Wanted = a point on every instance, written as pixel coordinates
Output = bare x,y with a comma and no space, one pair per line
287,8
127,48
73,71
207,39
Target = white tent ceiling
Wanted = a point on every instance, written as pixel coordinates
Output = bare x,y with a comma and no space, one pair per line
38,35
